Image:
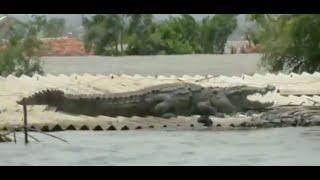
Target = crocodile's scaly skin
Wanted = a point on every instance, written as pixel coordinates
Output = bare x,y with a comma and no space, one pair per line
165,100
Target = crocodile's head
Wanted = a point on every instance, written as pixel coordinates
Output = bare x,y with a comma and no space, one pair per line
48,97
247,90
239,96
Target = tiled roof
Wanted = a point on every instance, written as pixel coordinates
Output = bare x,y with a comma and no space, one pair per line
12,89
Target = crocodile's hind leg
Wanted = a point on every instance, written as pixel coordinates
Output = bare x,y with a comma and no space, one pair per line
162,105
223,104
205,109
164,109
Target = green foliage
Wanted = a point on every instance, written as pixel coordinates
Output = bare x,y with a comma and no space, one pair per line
181,35
222,26
143,36
291,42
215,32
21,55
54,27
102,33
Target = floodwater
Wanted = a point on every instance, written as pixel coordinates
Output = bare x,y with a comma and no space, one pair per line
229,65
278,146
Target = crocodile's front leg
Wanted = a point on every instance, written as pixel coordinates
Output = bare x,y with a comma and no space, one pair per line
161,105
164,109
205,109
205,120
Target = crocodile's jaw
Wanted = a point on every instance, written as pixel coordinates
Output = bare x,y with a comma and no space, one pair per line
246,91
257,105
239,97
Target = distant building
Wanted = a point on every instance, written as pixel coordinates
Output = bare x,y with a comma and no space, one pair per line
236,47
242,47
64,46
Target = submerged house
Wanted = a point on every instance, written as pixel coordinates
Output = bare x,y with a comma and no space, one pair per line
64,46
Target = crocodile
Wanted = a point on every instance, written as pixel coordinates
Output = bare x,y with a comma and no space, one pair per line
166,100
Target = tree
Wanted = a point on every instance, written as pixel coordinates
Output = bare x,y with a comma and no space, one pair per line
54,27
291,42
181,35
214,32
222,25
104,33
38,23
143,36
22,51
96,36
206,35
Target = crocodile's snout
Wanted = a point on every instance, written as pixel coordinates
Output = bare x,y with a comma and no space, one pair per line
270,88
267,89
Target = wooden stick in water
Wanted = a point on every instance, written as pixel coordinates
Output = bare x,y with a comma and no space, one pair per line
32,137
25,121
49,135
4,137
14,136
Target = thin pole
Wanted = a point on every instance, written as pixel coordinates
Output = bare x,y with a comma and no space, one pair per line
25,121
32,129
34,138
14,136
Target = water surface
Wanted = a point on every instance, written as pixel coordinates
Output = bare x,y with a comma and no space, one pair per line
279,146
229,65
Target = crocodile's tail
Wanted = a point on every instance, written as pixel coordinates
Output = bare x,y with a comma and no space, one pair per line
47,97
